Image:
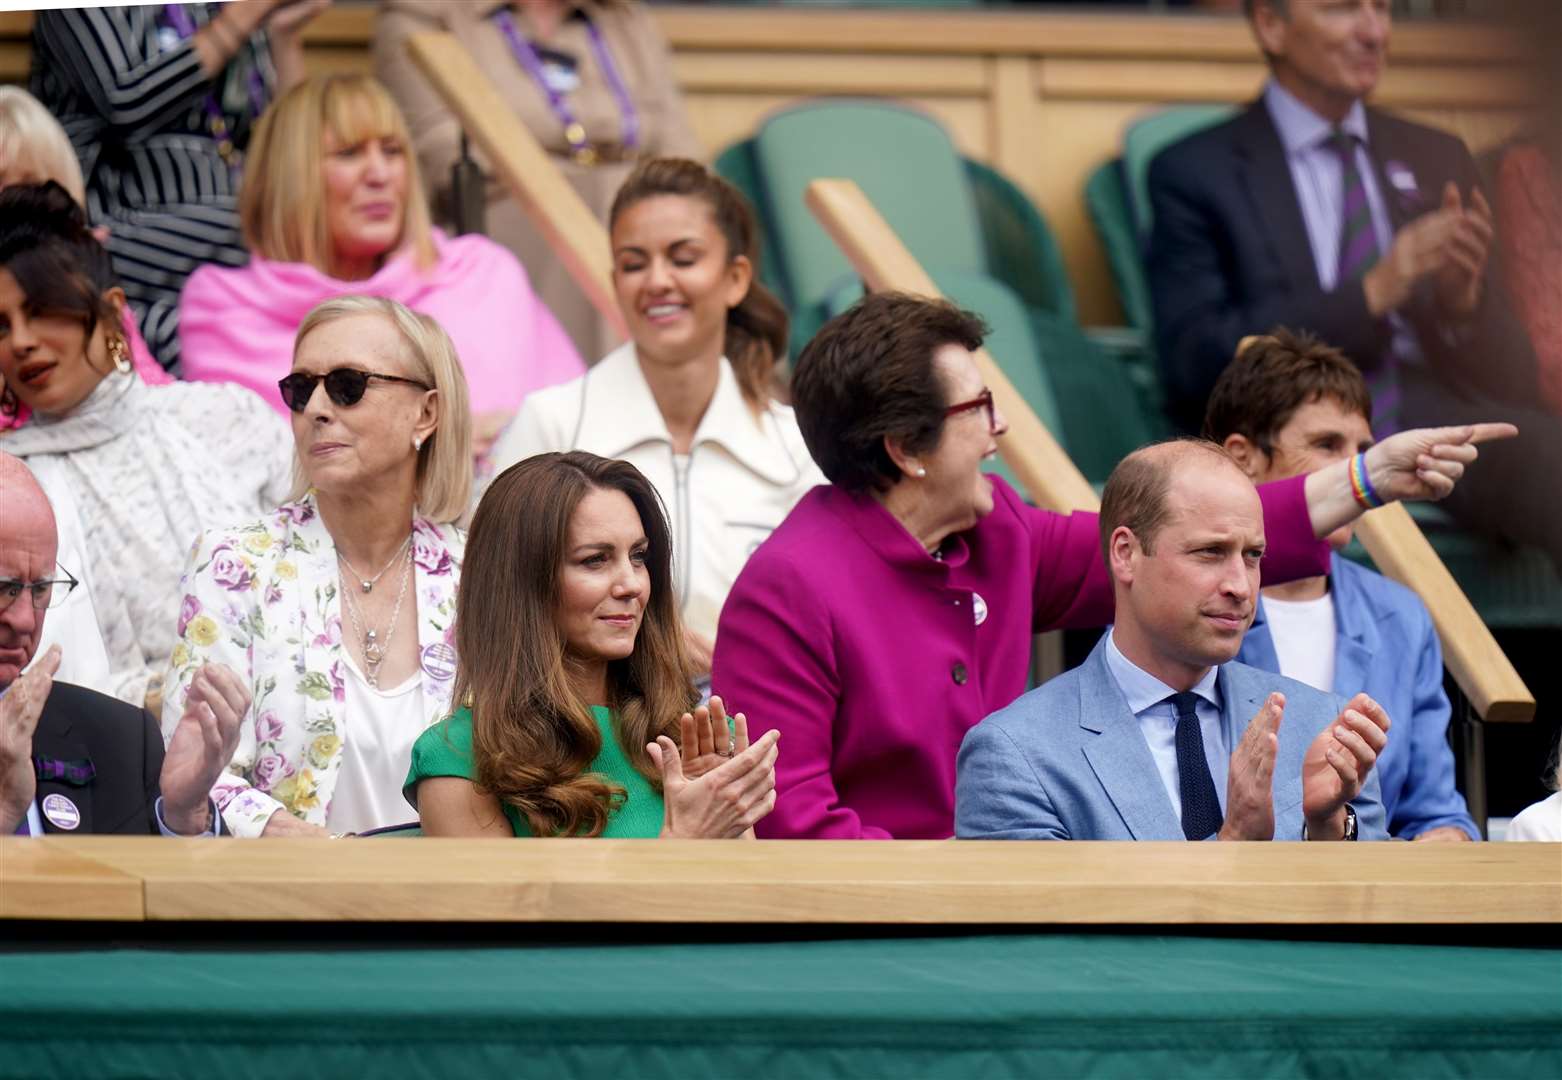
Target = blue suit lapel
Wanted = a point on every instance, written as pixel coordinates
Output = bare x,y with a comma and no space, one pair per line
1357,639
1119,756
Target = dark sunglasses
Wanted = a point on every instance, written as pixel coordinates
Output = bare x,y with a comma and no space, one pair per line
343,385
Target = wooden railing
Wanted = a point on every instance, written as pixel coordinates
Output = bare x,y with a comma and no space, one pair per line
777,881
1396,544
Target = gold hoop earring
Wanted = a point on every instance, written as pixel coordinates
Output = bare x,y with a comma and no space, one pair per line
119,352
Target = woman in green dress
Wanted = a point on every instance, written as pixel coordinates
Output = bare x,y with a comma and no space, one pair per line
579,717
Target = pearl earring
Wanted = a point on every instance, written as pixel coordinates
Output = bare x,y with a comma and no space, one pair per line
417,443
921,471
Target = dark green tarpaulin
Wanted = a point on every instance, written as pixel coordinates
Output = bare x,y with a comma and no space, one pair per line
982,1006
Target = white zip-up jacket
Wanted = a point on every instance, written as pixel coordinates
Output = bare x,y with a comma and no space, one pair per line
742,476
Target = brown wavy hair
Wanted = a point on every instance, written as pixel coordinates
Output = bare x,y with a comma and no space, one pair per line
533,736
757,326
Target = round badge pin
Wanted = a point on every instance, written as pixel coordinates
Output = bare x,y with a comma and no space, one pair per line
978,608
61,812
439,661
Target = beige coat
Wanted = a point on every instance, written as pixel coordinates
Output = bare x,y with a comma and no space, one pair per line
644,63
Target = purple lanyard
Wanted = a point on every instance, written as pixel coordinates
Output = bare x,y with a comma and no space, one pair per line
574,131
180,22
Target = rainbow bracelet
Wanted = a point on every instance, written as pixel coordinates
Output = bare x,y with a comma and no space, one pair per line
1361,484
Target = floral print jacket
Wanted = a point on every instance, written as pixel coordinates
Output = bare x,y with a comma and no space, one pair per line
263,599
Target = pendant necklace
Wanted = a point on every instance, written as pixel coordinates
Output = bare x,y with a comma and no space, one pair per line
368,583
375,650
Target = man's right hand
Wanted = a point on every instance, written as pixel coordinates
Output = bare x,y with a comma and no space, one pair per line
1250,806
20,708
1420,249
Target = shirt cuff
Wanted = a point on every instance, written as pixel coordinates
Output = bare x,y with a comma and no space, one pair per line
162,826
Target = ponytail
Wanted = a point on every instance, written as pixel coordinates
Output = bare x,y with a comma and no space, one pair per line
757,326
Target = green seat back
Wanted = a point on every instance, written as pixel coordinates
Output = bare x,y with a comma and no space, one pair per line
1106,200
901,159
736,165
393,832
1021,250
1150,135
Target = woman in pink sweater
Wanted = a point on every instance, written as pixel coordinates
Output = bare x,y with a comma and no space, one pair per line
333,204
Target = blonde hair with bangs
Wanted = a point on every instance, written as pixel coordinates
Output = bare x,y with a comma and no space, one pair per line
444,475
33,143
282,200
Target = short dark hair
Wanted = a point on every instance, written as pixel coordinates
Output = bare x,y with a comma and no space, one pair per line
1271,378
1278,5
1135,493
869,374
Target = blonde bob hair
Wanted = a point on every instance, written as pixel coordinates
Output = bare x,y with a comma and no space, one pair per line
33,145
444,476
282,200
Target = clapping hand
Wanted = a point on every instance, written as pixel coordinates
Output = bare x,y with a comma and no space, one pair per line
1250,807
1337,764
1465,251
202,746
725,802
20,708
706,739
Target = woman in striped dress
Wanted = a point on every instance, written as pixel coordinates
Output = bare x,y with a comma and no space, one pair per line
159,102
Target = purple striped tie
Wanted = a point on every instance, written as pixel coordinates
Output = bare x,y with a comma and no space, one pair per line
1358,253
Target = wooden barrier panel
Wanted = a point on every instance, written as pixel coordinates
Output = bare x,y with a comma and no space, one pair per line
565,221
39,880
1394,541
824,882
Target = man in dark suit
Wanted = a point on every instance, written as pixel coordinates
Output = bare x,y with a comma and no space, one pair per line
73,760
1311,210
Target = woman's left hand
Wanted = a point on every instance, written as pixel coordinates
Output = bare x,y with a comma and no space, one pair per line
1426,463
705,740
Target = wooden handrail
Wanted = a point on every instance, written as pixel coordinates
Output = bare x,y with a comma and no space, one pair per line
886,883
573,232
1393,540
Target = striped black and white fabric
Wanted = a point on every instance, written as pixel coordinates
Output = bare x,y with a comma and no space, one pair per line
132,98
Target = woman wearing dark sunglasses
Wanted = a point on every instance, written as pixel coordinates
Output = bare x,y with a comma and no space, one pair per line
337,610
143,467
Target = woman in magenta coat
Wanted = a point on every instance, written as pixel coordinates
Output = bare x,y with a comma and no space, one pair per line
893,609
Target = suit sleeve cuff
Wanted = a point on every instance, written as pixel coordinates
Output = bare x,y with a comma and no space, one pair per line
215,817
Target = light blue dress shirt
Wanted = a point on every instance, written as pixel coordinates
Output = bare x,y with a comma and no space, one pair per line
1158,722
1320,186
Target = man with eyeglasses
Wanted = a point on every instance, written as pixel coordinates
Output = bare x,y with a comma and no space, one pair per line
73,760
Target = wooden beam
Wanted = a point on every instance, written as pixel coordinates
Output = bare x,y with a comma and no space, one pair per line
825,882
562,217
38,881
1480,667
1047,473
1394,541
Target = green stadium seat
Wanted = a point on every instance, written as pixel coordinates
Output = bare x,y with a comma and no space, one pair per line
1021,250
736,165
1150,135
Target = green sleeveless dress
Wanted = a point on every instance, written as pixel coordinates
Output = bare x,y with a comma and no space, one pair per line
446,750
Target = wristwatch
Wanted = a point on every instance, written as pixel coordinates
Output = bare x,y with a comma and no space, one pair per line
1350,824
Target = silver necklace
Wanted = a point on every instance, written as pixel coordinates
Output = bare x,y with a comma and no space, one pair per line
368,583
375,650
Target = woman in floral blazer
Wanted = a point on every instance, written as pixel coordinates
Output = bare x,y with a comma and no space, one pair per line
347,666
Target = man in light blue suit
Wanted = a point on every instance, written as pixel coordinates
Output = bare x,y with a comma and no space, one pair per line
1289,404
1128,745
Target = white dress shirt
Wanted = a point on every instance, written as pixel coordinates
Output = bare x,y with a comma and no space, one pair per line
1158,722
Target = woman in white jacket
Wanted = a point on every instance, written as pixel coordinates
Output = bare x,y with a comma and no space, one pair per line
689,400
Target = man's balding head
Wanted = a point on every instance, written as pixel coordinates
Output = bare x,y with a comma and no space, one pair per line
29,544
1135,496
1183,532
